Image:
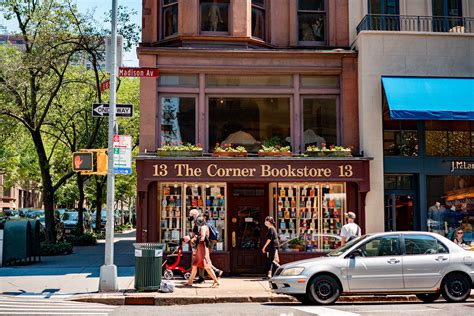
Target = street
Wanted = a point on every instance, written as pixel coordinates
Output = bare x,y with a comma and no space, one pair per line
296,309
26,306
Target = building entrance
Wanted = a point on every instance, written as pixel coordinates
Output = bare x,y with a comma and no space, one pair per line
248,207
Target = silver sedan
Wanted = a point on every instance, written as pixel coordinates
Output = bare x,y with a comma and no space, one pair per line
421,263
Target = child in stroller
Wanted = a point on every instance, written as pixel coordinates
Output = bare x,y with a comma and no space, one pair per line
175,266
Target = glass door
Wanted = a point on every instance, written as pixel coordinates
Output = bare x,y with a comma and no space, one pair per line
384,15
399,212
447,16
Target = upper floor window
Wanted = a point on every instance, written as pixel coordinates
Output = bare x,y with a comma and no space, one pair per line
178,119
312,22
258,18
319,122
447,8
390,7
214,15
169,17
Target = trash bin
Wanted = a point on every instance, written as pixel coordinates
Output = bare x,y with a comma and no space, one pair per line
16,239
148,261
34,251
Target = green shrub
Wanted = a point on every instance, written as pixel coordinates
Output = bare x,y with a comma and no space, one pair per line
86,239
100,235
59,248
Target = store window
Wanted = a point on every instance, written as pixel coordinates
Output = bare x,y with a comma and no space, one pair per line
258,18
178,119
319,122
312,22
400,138
399,182
170,80
214,15
249,122
319,82
449,138
176,201
309,216
455,195
248,81
169,16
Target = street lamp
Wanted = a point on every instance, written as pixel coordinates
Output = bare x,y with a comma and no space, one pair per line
108,281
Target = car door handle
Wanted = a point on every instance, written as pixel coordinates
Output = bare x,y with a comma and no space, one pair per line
441,258
393,261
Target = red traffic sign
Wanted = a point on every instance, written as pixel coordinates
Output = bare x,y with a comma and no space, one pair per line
105,85
138,72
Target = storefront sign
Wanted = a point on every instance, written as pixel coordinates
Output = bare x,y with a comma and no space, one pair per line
283,170
461,165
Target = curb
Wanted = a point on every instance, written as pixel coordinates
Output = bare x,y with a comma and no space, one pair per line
169,299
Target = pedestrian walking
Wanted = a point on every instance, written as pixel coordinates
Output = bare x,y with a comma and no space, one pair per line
201,257
213,238
351,230
193,214
270,248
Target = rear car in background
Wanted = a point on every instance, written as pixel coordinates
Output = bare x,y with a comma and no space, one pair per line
421,263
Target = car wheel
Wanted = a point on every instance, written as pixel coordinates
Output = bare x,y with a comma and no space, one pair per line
168,274
428,297
456,288
303,299
324,289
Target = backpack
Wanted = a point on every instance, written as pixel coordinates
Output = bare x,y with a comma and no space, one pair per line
354,236
213,233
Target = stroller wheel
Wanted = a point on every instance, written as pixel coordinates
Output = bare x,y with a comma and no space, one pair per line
187,275
168,274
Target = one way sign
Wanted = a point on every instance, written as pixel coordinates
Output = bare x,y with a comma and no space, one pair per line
102,109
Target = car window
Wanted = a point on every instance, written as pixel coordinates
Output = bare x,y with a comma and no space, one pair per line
381,246
339,251
423,244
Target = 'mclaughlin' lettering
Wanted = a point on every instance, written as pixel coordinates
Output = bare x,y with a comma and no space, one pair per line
461,165
213,170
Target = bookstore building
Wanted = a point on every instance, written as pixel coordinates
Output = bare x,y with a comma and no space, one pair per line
295,99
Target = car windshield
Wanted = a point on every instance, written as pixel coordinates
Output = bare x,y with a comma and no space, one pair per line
71,216
339,251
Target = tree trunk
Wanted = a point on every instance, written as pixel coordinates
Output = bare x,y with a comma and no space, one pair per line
80,203
48,189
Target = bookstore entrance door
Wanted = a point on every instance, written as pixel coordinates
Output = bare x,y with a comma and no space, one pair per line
248,207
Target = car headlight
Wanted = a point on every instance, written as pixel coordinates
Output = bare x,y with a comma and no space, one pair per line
292,271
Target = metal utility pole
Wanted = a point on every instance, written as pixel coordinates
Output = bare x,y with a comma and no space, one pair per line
108,272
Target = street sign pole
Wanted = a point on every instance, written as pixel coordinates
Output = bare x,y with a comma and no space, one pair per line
108,281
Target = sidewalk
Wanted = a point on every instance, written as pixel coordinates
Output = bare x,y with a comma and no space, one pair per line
76,277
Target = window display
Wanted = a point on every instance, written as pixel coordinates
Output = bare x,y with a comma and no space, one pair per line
176,201
309,216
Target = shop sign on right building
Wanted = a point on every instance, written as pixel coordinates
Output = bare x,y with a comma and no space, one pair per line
416,112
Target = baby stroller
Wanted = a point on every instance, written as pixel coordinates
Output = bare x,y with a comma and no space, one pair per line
171,268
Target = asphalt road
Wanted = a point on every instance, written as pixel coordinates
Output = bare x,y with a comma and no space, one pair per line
342,309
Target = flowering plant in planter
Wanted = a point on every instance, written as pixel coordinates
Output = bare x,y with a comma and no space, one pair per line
335,151
276,150
228,150
179,149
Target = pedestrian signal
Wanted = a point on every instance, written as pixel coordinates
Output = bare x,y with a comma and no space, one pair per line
102,162
82,161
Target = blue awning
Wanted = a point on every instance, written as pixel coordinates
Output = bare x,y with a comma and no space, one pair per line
418,98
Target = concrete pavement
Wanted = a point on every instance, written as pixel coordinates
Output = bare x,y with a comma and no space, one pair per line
76,277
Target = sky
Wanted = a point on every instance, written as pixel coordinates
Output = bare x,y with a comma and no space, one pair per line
100,7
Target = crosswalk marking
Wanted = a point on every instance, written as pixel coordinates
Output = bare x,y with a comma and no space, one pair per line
324,311
26,306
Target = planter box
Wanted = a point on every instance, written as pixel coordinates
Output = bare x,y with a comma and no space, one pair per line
275,154
328,153
229,154
179,153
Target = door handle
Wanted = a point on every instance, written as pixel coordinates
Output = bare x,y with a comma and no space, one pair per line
234,240
393,261
441,258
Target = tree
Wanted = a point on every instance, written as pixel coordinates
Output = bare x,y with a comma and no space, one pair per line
32,77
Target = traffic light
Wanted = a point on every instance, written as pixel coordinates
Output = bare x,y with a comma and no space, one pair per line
82,161
102,162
